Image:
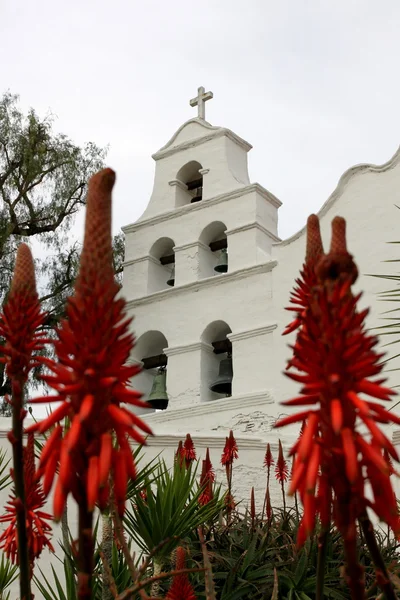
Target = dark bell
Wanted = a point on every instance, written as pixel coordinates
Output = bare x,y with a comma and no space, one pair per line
171,279
222,264
158,397
223,383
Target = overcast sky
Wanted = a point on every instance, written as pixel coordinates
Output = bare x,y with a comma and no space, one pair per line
313,86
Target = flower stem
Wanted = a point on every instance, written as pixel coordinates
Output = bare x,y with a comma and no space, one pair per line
106,546
354,571
296,505
18,464
283,496
323,539
382,575
85,552
265,497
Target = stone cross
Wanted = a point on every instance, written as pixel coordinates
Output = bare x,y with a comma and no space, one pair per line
200,100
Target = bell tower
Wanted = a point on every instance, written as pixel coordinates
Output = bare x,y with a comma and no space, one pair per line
198,276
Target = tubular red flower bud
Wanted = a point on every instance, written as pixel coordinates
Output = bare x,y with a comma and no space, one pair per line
334,360
300,295
230,451
180,453
268,459
189,450
37,521
281,468
181,588
21,318
207,478
91,376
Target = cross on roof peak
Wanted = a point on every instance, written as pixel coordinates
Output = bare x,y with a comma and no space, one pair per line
200,100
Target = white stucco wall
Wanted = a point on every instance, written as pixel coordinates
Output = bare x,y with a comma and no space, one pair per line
249,299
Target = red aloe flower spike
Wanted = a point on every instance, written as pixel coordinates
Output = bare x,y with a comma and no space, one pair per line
180,453
206,486
19,324
209,467
207,478
268,459
314,248
268,506
281,468
300,295
181,588
268,462
282,472
331,455
230,452
189,450
95,343
37,521
91,377
21,319
252,507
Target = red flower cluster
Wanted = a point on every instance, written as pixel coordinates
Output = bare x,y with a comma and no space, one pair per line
21,319
335,361
230,451
207,478
38,529
281,467
189,450
180,453
308,279
91,376
181,588
268,459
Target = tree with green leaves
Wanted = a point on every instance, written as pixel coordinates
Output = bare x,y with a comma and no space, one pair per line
43,177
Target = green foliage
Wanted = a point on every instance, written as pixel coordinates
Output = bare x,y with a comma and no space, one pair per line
170,511
42,183
263,561
391,316
8,574
5,477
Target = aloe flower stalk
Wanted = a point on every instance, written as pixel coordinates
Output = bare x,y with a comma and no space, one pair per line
189,450
181,588
207,478
268,462
252,507
336,364
90,378
38,526
20,324
180,453
229,454
282,472
299,297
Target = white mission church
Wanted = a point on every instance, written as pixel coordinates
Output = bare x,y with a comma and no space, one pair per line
207,279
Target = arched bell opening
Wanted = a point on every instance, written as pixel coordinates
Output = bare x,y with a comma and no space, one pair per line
162,269
213,258
192,179
216,362
152,381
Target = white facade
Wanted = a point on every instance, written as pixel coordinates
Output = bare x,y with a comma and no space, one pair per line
245,305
